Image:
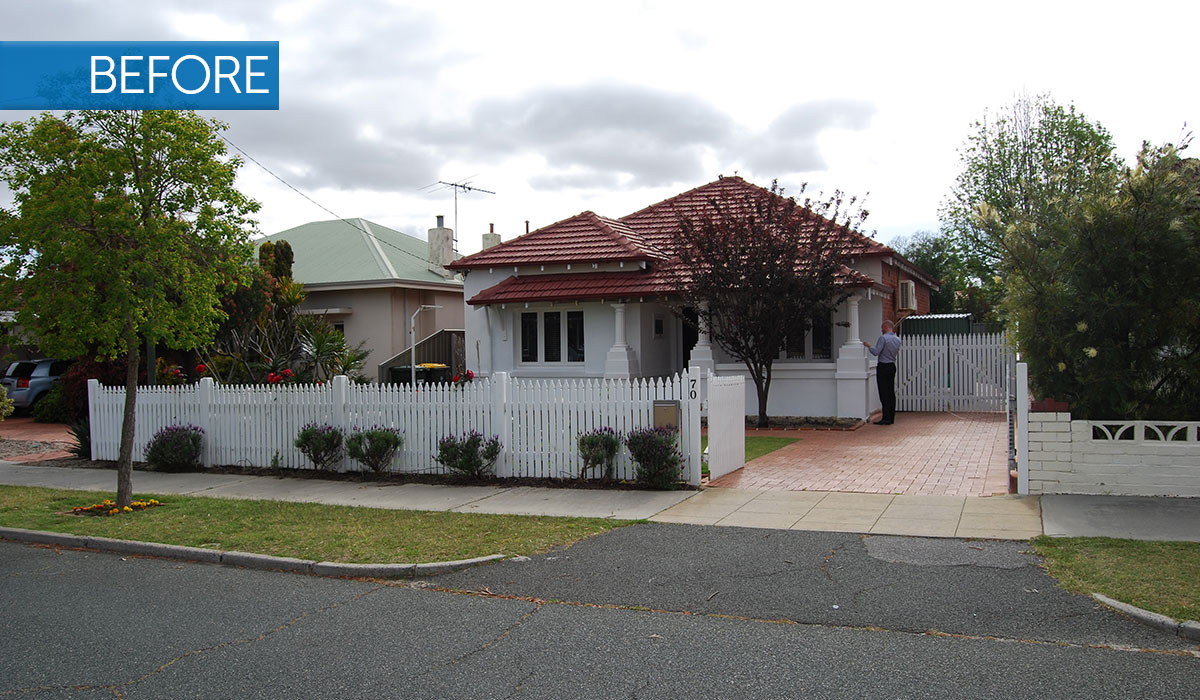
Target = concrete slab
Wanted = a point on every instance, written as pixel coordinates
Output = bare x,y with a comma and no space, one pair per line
591,503
776,521
917,528
1126,517
58,478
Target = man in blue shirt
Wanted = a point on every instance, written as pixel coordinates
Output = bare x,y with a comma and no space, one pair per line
886,349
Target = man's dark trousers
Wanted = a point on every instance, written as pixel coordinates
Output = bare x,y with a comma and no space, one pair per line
885,378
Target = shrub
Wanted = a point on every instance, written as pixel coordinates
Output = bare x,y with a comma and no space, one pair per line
322,444
375,447
598,448
52,408
175,448
471,455
6,404
81,430
659,461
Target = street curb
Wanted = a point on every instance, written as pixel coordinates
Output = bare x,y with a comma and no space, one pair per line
243,559
1189,629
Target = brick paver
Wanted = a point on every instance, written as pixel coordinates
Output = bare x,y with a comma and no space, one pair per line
944,454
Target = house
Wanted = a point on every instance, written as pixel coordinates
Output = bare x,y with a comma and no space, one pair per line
369,280
590,296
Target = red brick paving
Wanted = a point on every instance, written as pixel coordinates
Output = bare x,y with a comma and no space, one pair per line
944,454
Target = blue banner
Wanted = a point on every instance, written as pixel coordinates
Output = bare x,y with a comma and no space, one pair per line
139,75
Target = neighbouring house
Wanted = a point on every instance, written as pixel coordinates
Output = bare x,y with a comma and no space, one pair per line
369,280
591,296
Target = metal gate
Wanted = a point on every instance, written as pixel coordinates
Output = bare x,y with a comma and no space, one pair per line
954,373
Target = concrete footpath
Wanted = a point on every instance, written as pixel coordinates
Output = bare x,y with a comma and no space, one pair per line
993,517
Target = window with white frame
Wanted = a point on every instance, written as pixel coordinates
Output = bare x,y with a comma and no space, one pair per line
816,343
551,337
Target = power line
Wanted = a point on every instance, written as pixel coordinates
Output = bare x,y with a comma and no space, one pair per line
322,206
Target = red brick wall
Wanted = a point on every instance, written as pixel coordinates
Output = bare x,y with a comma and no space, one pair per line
892,276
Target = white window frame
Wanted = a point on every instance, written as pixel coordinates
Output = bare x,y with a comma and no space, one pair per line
541,338
808,347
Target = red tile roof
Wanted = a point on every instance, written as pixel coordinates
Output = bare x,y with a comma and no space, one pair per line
583,285
582,238
659,222
647,236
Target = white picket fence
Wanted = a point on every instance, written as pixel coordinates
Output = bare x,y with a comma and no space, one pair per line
954,373
538,420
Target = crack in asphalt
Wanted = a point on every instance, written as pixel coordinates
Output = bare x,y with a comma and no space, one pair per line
540,602
520,684
116,688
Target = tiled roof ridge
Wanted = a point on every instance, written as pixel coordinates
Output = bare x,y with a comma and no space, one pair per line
622,234
738,183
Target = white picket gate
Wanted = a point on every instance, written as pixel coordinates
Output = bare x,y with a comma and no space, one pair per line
726,425
954,373
538,420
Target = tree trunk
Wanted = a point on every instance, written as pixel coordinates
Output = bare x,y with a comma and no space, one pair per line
762,385
125,460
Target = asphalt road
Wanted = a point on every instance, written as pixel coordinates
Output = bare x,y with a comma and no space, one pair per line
647,611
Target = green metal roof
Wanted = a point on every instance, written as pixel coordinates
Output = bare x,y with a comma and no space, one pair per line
356,250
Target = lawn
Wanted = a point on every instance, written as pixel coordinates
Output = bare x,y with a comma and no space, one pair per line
1163,577
304,530
757,446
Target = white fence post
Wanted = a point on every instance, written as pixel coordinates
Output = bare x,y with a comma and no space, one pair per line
204,395
340,386
692,389
1023,428
94,427
502,423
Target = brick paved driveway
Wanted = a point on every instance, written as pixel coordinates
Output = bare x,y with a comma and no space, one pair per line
944,454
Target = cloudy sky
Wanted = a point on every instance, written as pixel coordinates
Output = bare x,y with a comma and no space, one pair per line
560,107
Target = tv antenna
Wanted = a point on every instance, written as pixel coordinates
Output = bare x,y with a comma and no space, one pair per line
464,187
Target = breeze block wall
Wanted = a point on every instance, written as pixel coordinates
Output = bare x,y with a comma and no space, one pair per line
1112,458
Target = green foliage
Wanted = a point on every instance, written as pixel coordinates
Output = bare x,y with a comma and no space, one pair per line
6,404
374,447
958,290
760,267
52,407
470,455
1019,165
659,462
1101,286
175,448
322,444
126,228
324,353
81,432
598,448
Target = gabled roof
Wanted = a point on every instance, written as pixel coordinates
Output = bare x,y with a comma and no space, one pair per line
659,222
583,238
357,251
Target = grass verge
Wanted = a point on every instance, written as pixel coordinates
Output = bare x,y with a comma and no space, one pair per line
304,530
1163,577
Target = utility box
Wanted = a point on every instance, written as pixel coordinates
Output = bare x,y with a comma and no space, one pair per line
666,413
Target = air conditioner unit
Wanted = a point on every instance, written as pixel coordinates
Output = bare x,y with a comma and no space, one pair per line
908,295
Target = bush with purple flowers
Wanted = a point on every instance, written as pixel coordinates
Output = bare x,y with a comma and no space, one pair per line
469,455
175,448
658,459
322,444
598,448
374,447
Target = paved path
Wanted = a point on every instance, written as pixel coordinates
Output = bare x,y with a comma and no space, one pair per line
937,454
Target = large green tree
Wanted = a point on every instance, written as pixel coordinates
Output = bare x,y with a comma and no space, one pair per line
1018,165
126,228
1102,290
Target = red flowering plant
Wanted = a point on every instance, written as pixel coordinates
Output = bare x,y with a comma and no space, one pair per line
464,378
284,376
